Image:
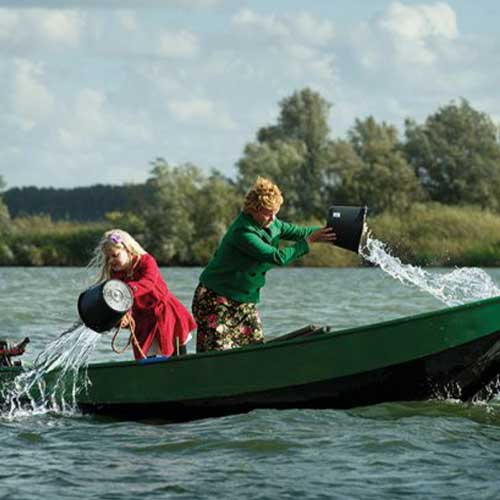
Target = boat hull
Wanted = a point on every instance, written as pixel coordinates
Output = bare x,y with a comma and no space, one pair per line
459,373
452,352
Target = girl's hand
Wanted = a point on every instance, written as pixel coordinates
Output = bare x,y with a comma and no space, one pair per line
323,235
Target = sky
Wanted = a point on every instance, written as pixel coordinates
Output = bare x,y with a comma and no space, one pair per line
93,91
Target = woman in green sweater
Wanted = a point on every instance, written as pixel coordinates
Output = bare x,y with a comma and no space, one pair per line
224,303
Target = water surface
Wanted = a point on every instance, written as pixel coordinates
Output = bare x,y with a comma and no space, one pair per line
432,449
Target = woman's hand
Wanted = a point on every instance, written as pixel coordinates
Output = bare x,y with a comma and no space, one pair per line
325,235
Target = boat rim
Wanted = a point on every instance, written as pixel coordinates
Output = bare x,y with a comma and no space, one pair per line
316,337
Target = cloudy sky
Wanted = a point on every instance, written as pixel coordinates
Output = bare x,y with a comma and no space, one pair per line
92,91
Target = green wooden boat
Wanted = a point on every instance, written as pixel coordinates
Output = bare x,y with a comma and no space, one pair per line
452,352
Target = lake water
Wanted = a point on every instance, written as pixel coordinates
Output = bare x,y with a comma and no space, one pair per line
434,449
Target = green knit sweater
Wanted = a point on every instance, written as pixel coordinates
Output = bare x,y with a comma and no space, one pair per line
247,251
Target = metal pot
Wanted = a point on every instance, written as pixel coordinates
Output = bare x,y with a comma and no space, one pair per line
102,306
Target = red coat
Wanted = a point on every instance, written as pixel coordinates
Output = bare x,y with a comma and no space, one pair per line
156,311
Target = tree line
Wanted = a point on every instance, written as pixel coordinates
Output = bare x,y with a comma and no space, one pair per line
81,204
451,159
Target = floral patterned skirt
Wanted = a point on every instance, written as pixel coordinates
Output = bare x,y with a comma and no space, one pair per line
224,323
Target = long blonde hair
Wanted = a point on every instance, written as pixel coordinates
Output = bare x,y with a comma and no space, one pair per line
263,194
112,239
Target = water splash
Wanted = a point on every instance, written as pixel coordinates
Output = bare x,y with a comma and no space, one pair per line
459,286
58,375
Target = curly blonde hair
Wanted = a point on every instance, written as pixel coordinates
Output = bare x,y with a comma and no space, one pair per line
114,238
263,194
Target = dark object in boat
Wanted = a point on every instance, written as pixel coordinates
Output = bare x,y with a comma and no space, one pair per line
7,351
102,306
349,225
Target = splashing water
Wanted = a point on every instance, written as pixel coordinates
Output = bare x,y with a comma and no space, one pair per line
58,375
459,286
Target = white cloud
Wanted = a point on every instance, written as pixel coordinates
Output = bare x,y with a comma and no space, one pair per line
178,44
200,110
294,46
268,24
127,19
88,112
60,26
92,119
417,34
8,22
32,99
164,80
418,22
112,4
406,40
302,27
192,109
28,28
289,51
312,29
88,90
409,60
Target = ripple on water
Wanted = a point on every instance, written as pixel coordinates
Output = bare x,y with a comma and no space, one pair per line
433,449
30,437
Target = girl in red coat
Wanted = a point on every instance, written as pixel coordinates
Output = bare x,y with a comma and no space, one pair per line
160,322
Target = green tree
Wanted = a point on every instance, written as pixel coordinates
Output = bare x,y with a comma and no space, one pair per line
6,254
293,152
169,217
282,162
456,156
4,212
343,174
374,172
132,222
217,203
89,203
187,213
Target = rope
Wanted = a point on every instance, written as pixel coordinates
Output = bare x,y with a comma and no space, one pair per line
132,337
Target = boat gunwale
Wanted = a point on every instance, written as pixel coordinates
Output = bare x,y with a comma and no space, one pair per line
316,337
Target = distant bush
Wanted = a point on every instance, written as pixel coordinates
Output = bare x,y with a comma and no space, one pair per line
37,241
427,235
440,235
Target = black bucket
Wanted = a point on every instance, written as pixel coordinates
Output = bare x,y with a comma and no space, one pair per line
349,224
102,306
